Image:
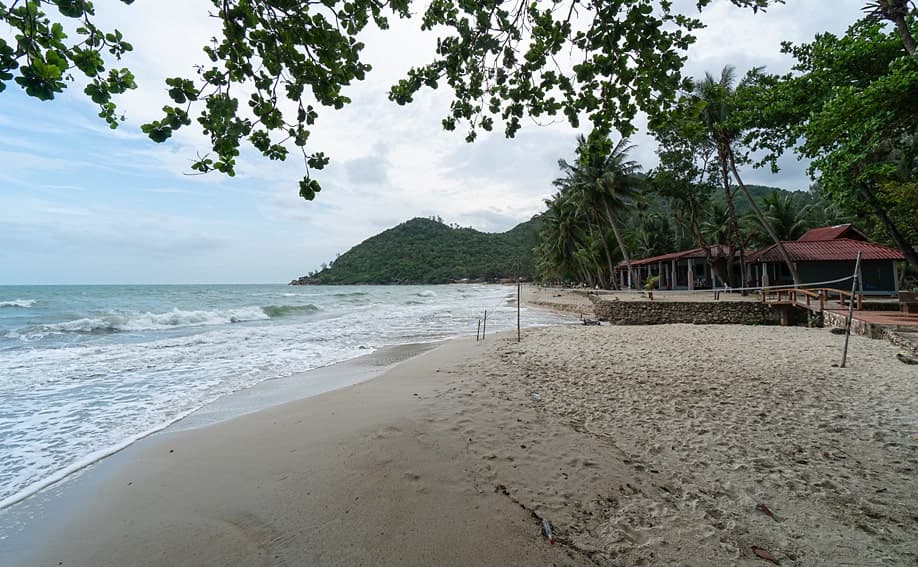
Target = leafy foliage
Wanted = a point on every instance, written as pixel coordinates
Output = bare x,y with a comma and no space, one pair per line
849,106
501,59
43,57
592,192
425,251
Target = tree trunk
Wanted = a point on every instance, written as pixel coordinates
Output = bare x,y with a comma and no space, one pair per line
737,239
605,246
621,244
699,238
763,221
910,255
596,263
906,35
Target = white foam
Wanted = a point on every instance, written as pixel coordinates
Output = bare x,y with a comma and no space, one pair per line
24,303
71,401
147,321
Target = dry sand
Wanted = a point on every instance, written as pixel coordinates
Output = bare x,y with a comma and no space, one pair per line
642,445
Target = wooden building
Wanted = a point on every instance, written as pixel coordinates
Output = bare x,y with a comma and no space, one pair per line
827,254
822,254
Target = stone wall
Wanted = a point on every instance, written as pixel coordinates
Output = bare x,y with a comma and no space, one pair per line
907,341
699,313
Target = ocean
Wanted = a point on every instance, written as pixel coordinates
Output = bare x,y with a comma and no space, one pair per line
87,370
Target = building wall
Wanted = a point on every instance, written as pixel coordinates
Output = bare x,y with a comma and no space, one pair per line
878,275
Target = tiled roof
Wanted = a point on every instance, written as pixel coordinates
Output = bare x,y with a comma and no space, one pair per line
833,233
716,250
826,250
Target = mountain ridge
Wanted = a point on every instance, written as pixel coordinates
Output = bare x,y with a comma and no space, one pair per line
427,251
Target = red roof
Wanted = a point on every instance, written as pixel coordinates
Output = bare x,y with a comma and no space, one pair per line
826,250
833,233
716,250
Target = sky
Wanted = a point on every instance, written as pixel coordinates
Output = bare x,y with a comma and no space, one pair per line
83,204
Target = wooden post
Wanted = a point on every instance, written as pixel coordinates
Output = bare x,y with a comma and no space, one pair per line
478,332
857,269
519,294
484,327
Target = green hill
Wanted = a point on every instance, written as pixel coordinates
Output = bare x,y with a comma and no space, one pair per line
425,251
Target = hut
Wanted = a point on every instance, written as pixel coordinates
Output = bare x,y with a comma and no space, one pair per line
822,254
686,269
825,261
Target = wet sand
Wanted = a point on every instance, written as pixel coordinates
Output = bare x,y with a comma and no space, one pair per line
671,444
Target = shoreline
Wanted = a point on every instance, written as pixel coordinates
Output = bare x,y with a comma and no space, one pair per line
82,516
641,445
260,396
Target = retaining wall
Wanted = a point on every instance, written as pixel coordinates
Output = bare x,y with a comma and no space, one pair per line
699,313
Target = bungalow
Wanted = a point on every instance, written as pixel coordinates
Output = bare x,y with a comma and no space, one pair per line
688,269
822,254
827,254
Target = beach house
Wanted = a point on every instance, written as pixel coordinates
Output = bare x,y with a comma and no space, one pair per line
826,254
822,254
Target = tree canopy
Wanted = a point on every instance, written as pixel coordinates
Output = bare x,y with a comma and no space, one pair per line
848,105
503,60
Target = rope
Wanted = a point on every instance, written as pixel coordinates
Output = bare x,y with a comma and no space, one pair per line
729,289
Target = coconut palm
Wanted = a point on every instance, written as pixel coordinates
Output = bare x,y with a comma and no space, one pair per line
788,220
718,224
606,181
897,12
717,97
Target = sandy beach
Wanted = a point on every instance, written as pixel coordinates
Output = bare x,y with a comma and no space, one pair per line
663,445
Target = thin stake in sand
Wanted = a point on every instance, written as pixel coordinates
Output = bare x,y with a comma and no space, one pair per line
519,288
854,282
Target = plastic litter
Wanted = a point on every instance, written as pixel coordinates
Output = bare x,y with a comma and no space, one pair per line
546,531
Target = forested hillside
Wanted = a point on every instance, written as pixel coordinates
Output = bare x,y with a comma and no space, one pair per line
427,251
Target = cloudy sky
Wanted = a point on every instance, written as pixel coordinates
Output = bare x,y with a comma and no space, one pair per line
80,203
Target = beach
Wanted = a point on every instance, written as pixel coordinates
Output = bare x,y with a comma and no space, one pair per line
661,445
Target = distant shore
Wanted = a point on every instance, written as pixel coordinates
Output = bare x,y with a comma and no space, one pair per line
672,444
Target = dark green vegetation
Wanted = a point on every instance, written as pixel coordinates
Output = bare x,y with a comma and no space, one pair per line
848,105
499,58
429,251
425,251
606,212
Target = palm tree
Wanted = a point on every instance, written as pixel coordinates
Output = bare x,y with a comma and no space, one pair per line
559,241
586,216
606,181
788,220
896,11
718,224
718,98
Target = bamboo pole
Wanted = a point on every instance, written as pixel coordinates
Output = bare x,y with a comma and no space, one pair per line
478,332
857,270
484,327
519,293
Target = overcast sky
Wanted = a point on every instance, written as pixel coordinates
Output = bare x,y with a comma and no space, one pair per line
80,203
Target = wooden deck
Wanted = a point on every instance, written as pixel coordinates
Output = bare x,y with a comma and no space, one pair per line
832,304
901,321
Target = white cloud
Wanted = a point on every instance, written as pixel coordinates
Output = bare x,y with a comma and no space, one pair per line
389,163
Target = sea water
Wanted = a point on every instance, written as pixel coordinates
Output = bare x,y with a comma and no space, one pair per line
87,370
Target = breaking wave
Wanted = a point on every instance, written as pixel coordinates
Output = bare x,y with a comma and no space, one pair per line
118,322
24,303
285,310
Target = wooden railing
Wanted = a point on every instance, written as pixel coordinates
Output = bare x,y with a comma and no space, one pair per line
808,297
